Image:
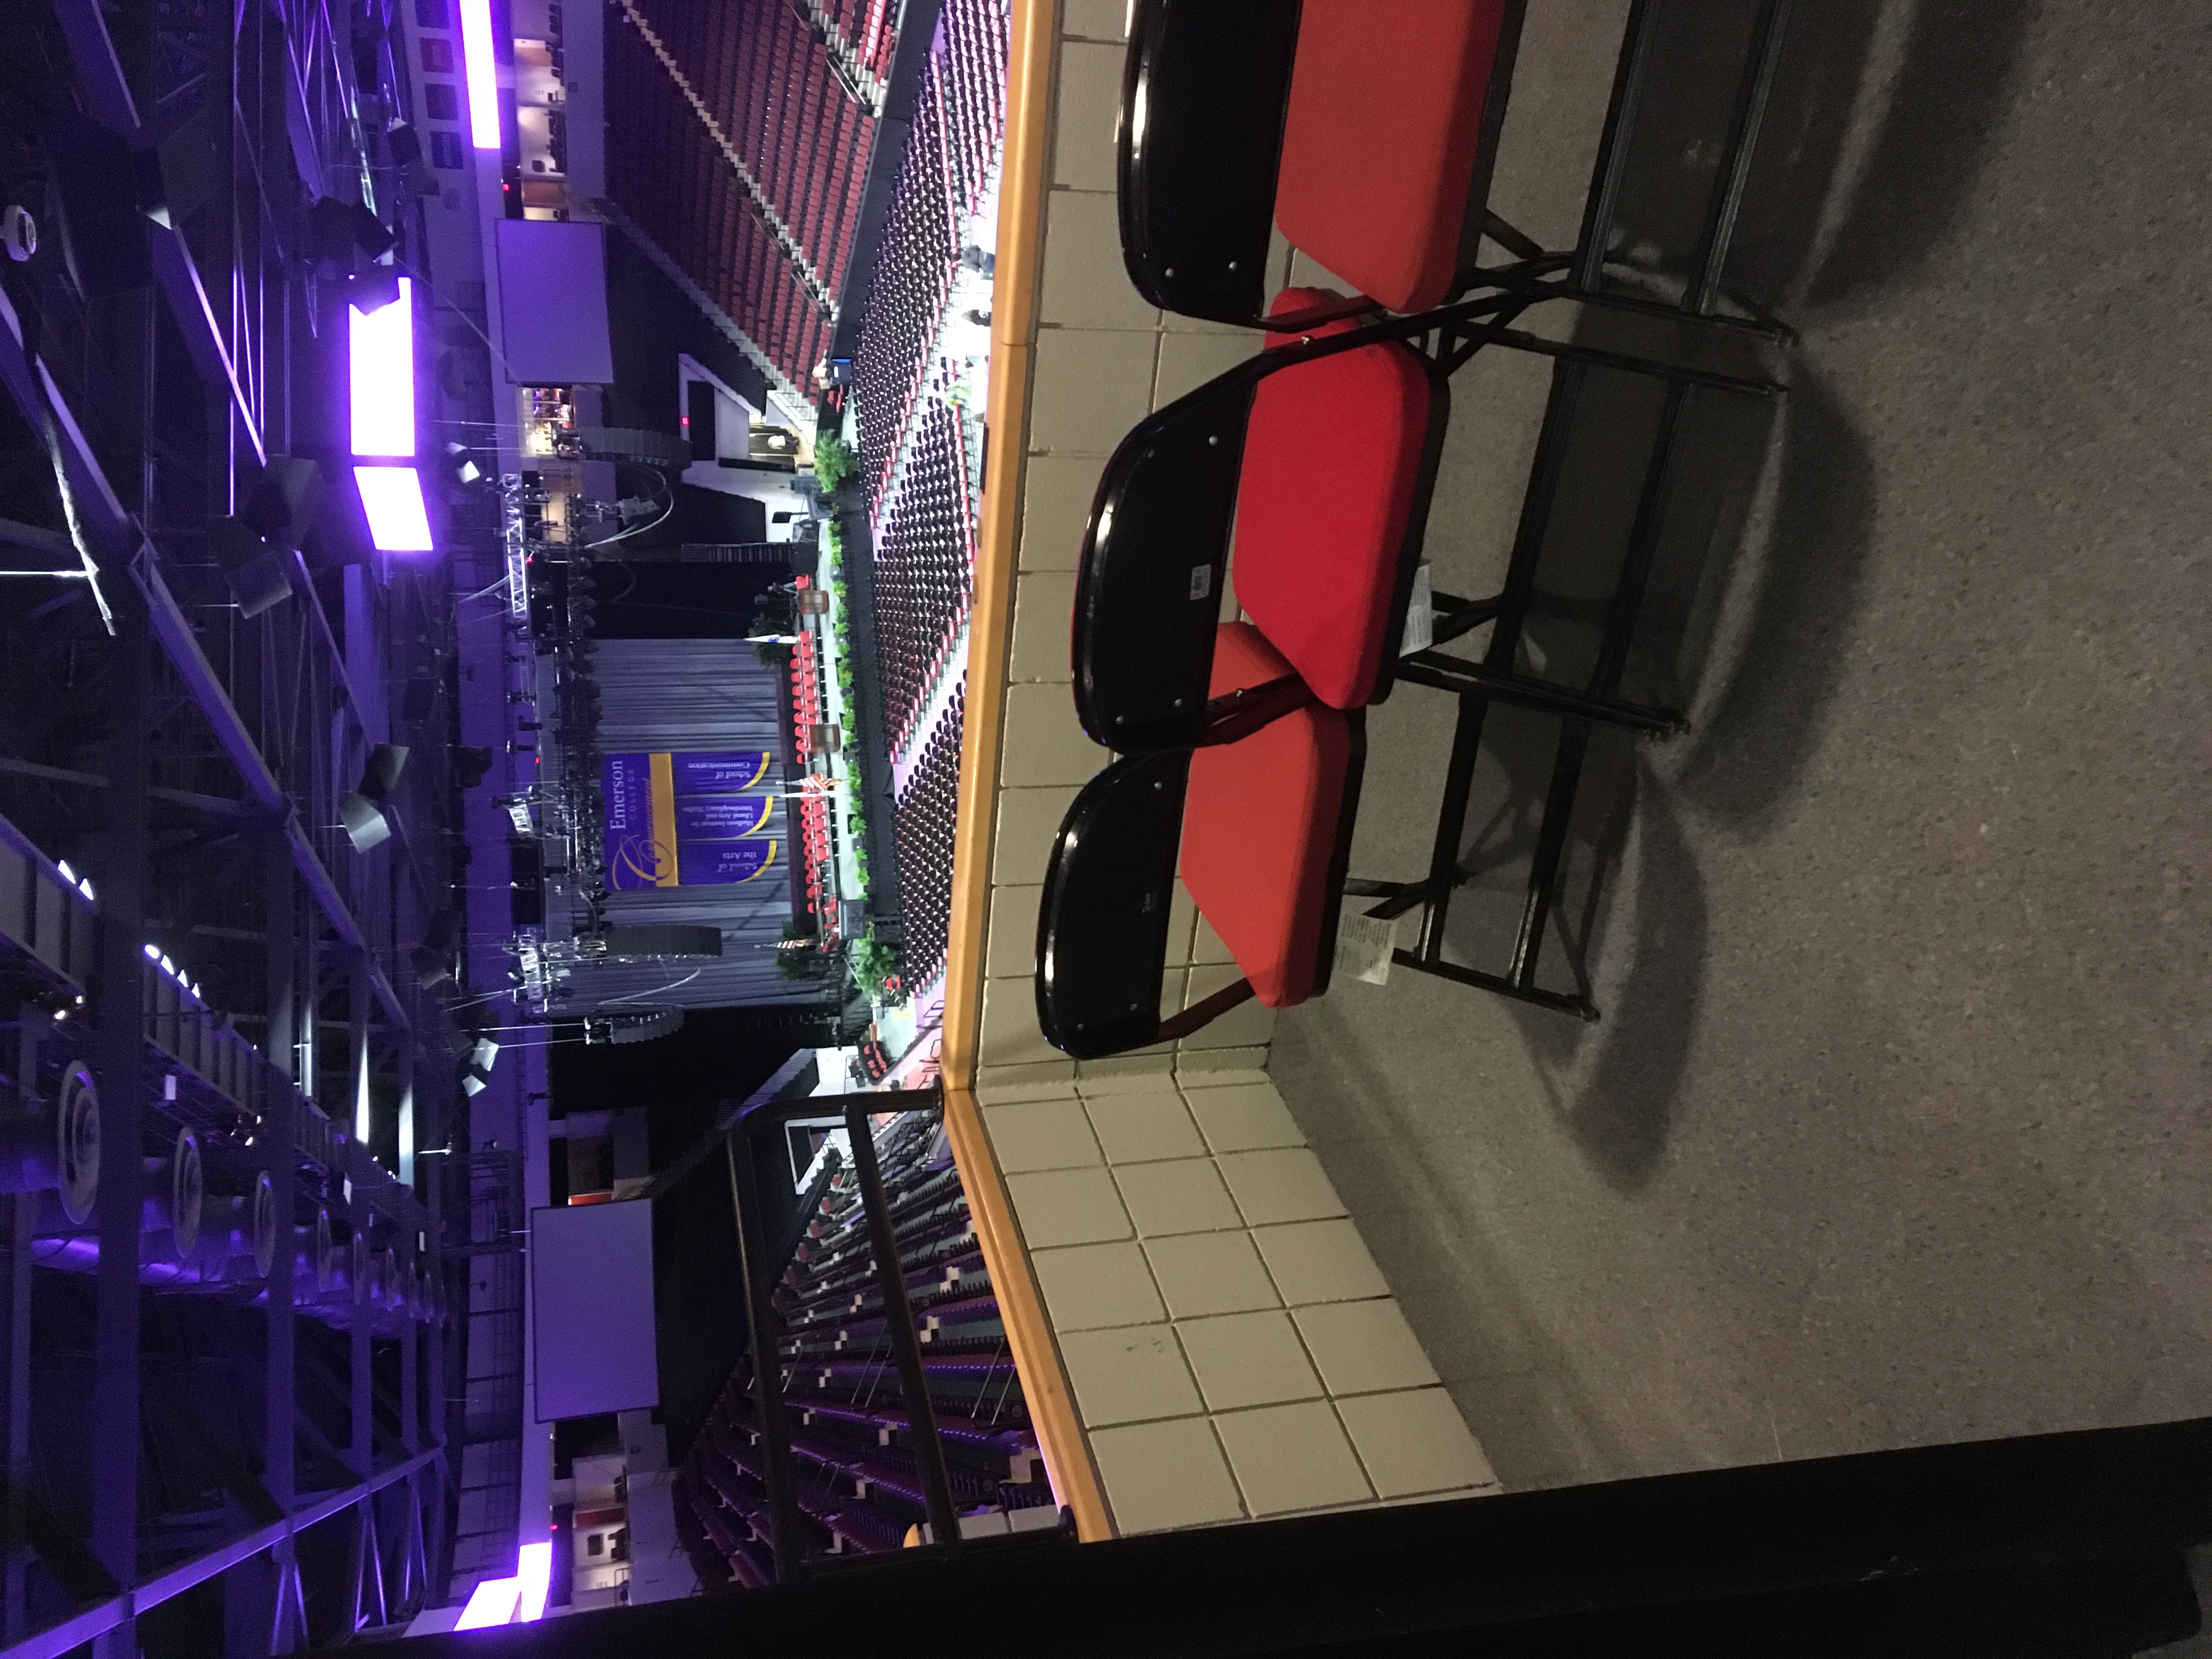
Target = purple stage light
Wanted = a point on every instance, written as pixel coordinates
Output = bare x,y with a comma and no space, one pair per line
481,73
382,346
392,496
492,1602
533,1577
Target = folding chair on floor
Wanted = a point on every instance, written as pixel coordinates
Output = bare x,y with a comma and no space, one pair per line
1368,130
1322,456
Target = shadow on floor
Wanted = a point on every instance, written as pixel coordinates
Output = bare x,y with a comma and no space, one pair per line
1878,126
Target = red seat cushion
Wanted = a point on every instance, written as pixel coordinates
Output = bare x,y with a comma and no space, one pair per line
1382,136
1331,463
1260,826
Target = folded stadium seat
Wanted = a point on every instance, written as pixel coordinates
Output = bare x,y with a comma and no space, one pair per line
1263,828
1367,130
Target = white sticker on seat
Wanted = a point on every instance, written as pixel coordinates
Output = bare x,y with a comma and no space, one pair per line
1420,615
1363,944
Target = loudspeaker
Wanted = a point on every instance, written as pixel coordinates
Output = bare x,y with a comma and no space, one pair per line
380,777
431,967
262,582
345,233
282,505
443,928
231,542
416,702
365,826
470,765
191,165
406,145
99,183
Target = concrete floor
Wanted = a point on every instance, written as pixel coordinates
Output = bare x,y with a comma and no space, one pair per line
1896,1127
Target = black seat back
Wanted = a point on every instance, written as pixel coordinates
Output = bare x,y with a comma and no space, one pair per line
1102,924
1155,556
1203,92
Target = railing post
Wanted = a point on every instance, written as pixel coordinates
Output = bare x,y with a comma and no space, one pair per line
898,1320
768,1365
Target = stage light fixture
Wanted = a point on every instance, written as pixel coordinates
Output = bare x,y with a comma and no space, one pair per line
398,519
381,347
492,1602
533,1573
481,72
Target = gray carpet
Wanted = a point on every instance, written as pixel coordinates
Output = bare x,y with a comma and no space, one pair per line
1895,1128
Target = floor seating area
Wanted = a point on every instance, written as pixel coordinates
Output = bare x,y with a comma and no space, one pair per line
1313,463
919,443
924,569
926,810
952,161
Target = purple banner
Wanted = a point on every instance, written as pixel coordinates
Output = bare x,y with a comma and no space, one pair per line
720,863
720,817
633,859
720,775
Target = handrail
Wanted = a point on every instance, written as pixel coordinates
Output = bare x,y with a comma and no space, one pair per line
763,1336
1019,267
1025,178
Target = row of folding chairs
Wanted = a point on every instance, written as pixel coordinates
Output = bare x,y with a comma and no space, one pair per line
1364,131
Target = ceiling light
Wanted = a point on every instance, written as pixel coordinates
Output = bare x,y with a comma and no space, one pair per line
392,496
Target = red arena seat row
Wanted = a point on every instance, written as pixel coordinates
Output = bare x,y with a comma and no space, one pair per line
768,85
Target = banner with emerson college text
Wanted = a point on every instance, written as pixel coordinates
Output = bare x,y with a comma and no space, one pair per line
686,820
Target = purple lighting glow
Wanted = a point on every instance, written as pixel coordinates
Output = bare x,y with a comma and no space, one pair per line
481,73
392,496
381,347
491,1604
533,1577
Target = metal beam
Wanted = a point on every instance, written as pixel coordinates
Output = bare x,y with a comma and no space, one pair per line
109,95
279,923
125,550
22,1217
119,1049
58,1639
342,676
215,805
